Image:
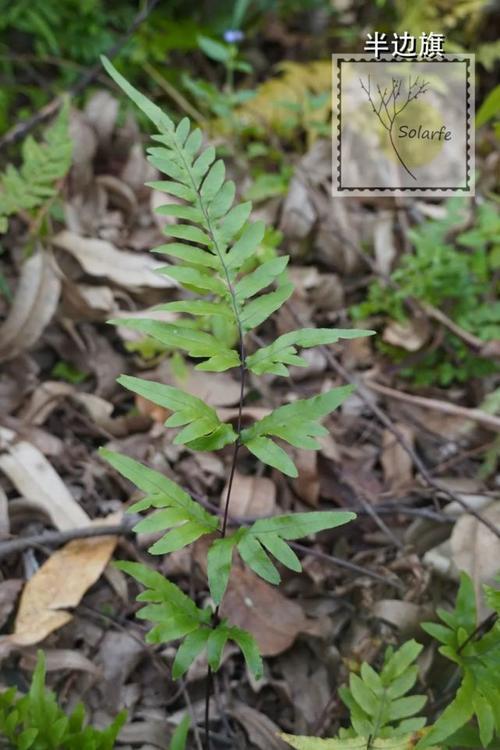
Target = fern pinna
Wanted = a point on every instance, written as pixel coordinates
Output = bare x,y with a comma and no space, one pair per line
212,244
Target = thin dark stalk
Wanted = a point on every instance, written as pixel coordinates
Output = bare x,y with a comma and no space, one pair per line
237,444
483,626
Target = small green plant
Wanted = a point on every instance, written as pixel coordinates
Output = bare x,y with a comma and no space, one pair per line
383,716
44,164
35,721
457,277
213,244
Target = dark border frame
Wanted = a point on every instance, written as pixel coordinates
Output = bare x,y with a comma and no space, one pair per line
466,188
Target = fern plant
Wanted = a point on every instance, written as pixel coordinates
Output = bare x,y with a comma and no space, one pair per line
211,245
35,721
383,716
44,164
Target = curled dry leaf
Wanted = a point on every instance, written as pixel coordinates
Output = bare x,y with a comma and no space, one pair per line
103,259
87,302
261,731
383,240
9,591
396,463
251,497
59,585
476,550
307,483
101,112
119,193
61,658
411,335
36,480
35,303
298,212
272,619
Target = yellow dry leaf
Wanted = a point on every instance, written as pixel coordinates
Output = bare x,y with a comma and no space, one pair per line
59,585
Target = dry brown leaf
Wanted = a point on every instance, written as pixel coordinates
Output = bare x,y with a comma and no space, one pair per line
101,112
61,658
35,302
411,335
298,212
4,514
101,258
383,241
405,616
251,497
272,619
119,193
476,550
396,463
261,731
35,479
87,302
307,483
59,585
9,591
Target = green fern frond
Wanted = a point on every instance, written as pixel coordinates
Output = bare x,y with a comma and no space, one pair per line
43,165
213,246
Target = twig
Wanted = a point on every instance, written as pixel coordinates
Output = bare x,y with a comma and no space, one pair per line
339,562
173,93
22,128
489,421
61,537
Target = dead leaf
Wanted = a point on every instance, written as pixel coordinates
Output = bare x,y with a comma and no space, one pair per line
35,479
4,514
476,550
9,591
87,302
119,193
44,399
59,585
410,335
35,302
383,241
396,463
101,112
307,483
119,654
261,731
272,619
61,658
405,616
251,497
298,212
101,258
137,170
84,149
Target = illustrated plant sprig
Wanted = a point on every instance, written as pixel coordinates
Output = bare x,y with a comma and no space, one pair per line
389,108
211,244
